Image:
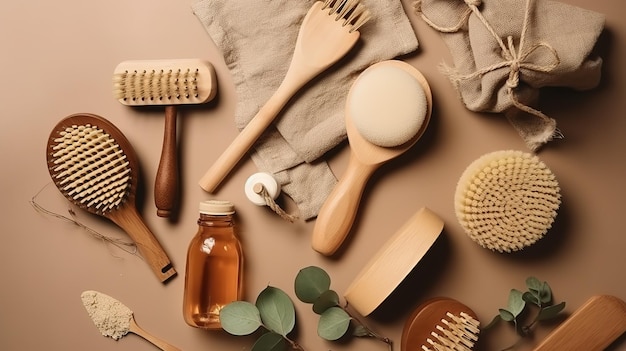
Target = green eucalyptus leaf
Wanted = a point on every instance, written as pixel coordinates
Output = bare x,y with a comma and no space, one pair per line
531,297
546,293
550,312
310,283
360,331
240,318
497,318
270,342
277,311
333,323
327,299
534,284
506,315
516,303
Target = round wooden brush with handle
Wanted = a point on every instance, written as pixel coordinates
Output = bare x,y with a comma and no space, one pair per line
94,166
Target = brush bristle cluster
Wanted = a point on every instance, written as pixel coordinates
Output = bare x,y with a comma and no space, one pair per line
507,200
352,12
163,85
90,167
454,333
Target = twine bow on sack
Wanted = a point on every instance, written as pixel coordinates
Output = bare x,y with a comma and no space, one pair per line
515,59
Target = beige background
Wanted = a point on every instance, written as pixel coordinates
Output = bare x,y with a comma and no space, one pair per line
57,58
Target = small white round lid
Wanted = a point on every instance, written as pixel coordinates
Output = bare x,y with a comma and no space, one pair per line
267,181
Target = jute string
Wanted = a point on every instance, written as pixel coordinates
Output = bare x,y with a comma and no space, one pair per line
129,247
514,59
269,201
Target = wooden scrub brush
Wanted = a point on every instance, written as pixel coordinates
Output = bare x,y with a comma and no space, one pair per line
507,200
94,166
441,324
166,83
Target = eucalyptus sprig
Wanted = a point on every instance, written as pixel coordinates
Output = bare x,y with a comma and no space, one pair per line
537,295
273,310
312,285
275,313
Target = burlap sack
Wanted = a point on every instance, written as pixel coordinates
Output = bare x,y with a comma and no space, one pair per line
504,51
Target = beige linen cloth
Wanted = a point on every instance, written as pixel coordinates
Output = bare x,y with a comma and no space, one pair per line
504,51
257,39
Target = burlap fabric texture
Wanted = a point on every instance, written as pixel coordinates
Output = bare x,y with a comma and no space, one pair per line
504,51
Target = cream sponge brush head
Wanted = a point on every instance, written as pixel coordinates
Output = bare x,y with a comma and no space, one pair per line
507,200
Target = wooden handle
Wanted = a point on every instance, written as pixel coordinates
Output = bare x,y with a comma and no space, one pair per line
592,327
150,249
160,343
166,182
338,212
295,78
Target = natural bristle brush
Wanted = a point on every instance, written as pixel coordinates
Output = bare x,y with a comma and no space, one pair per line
94,166
169,83
507,200
441,324
329,30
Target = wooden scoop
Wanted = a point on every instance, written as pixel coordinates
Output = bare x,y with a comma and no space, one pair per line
115,320
339,211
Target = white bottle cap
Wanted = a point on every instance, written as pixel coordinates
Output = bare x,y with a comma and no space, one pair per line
267,181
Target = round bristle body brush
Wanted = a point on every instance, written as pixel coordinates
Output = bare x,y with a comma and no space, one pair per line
441,324
94,166
168,83
387,110
507,200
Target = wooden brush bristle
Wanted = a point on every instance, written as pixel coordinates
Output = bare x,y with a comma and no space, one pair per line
441,324
164,82
454,333
90,168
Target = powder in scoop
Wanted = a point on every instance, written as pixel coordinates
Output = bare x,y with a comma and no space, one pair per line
110,316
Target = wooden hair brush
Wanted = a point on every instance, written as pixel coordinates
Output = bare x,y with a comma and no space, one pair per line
94,166
441,324
592,327
169,83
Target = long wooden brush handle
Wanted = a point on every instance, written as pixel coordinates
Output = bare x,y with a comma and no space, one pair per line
338,212
592,327
149,247
253,130
166,182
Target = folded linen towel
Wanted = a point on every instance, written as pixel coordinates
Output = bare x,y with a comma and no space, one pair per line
257,39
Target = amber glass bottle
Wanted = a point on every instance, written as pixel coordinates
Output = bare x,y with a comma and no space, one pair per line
213,276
